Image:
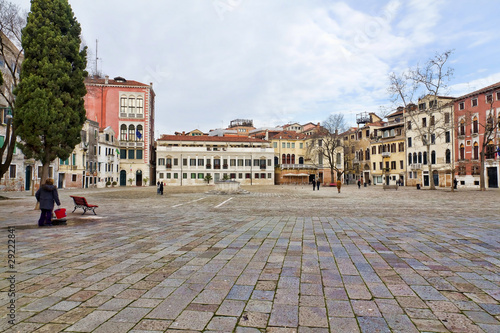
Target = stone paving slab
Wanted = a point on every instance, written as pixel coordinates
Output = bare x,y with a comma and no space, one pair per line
280,259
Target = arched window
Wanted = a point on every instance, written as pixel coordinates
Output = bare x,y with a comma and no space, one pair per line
490,150
367,154
360,155
139,133
131,133
448,156
123,132
123,104
420,157
415,158
283,159
131,105
475,125
380,149
140,106
433,157
287,158
462,152
476,151
409,159
293,158
462,127
425,157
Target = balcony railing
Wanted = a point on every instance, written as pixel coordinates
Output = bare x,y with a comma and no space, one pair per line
416,166
386,154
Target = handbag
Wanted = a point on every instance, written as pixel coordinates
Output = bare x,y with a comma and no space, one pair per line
37,205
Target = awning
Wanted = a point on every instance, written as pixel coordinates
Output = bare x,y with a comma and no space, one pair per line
296,174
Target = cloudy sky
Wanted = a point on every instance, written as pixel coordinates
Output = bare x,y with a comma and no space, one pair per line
281,61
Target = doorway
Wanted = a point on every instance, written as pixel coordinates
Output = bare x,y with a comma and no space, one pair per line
492,177
435,176
27,185
60,181
138,178
426,180
123,178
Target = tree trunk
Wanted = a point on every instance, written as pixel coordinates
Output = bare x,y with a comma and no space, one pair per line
45,172
482,186
431,176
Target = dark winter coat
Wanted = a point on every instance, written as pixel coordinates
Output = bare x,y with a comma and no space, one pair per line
46,195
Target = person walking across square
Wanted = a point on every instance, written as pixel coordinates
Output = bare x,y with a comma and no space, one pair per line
46,196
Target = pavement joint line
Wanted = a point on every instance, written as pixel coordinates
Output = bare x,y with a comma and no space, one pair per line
187,202
223,202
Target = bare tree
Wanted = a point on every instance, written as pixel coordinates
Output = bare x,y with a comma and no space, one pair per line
327,144
11,24
430,123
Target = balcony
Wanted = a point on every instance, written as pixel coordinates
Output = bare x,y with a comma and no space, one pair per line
416,166
386,154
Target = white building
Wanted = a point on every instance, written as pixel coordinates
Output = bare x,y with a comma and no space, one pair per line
108,158
431,121
187,160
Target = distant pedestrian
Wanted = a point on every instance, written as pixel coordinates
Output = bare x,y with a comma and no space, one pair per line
339,185
161,188
359,184
455,183
158,187
317,184
47,195
314,184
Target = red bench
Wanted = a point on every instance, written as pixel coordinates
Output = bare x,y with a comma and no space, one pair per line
81,202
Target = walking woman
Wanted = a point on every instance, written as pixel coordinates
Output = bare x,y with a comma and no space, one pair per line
47,195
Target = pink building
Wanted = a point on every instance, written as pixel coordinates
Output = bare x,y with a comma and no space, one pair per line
129,108
473,114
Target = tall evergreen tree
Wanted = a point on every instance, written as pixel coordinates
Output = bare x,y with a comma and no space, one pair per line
49,106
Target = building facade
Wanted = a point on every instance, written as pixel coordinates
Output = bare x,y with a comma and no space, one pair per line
200,160
477,119
108,158
430,122
128,107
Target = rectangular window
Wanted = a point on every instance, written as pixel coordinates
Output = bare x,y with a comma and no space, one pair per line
447,118
424,122
201,162
275,145
131,154
162,175
433,138
408,124
248,175
447,137
282,145
409,142
293,144
193,176
176,175
374,166
169,175
192,162
184,161
161,161
381,165
393,165
131,105
240,176
288,144
240,162
176,161
256,176
433,120
461,105
139,154
232,162
12,171
498,96
123,105
489,98
73,177
301,145
401,164
269,175
184,175
248,162
474,102
256,163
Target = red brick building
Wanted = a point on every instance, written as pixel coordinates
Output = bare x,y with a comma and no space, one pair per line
129,108
474,113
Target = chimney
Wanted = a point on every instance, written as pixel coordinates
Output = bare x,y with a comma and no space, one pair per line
106,79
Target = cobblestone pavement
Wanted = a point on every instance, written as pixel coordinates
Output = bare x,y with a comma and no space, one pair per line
280,259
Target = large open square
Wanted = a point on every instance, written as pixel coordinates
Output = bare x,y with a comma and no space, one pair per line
278,259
